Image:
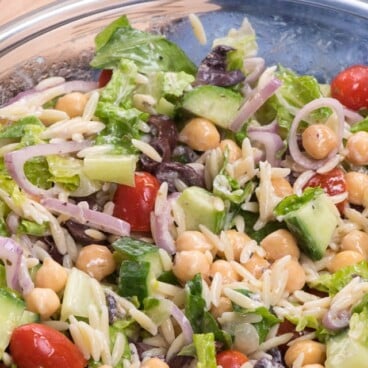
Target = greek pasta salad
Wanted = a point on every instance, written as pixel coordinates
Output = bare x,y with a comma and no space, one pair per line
181,215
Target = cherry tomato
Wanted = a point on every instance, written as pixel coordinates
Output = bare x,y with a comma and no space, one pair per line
104,77
231,359
333,182
134,204
34,345
350,87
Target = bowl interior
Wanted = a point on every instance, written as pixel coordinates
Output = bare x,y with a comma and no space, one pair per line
313,37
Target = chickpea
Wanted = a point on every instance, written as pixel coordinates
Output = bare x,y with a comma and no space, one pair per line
313,366
256,265
154,363
225,269
237,240
356,184
225,305
319,141
281,187
72,103
314,352
51,275
356,240
233,150
357,147
190,262
279,244
296,278
343,259
43,301
192,240
200,134
96,260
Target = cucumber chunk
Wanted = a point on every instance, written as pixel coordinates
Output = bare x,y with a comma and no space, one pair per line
218,104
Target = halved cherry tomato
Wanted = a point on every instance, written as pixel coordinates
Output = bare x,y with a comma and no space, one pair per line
34,345
104,77
333,182
134,204
231,359
350,87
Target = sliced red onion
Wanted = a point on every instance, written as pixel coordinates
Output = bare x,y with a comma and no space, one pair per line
17,275
161,221
270,128
183,322
255,66
271,142
15,160
352,116
301,158
336,320
258,98
12,222
52,92
95,219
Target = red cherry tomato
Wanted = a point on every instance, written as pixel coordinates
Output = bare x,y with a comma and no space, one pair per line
134,204
231,359
350,87
333,182
34,345
104,77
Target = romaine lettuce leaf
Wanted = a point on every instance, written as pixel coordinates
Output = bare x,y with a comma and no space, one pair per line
150,52
32,228
205,350
333,283
37,172
201,320
360,126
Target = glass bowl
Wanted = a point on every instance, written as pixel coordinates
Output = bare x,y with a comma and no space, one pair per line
310,36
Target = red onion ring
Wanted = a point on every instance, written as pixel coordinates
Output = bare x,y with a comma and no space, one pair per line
95,219
269,128
298,156
336,320
17,275
271,142
183,322
352,116
257,99
15,160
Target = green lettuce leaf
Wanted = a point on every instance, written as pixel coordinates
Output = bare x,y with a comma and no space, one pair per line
360,126
21,127
243,41
294,202
32,228
333,283
268,318
205,350
150,52
115,109
201,320
37,172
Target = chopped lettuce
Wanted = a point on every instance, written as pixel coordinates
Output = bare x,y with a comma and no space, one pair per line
37,172
150,52
32,228
201,320
360,126
295,92
243,40
115,109
205,350
22,127
333,283
268,318
294,202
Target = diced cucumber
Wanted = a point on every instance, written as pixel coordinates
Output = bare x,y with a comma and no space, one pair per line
112,168
140,267
79,294
29,317
202,208
218,104
135,279
127,248
312,219
11,312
